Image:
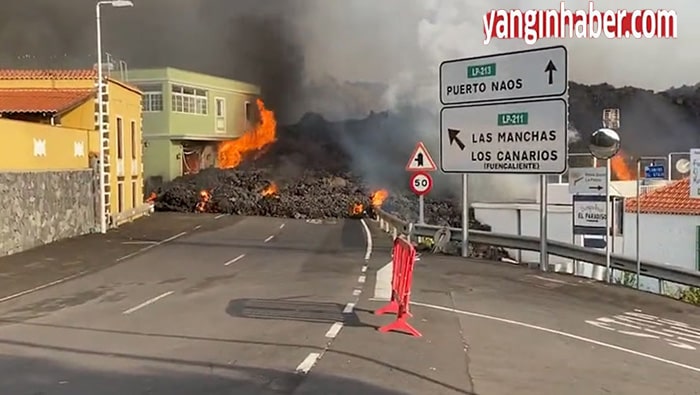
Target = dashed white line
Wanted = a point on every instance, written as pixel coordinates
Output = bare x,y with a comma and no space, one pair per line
234,260
154,245
269,238
308,363
40,287
362,279
282,226
356,292
348,308
364,269
335,329
220,216
197,227
148,302
368,236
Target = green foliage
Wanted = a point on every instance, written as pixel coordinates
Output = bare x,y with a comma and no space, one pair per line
689,295
628,280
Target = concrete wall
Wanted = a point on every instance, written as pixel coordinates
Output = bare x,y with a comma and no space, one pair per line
162,162
33,146
42,207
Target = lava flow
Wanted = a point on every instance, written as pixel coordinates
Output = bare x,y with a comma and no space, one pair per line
230,153
378,197
357,209
270,190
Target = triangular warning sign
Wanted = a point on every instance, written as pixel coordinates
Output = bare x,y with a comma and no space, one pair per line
420,159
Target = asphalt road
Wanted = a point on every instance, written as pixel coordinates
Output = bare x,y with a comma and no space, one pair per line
246,306
197,304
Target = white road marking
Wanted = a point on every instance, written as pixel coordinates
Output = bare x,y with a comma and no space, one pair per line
560,333
269,238
368,236
382,287
234,260
138,242
553,280
220,216
364,269
308,363
362,279
197,227
40,287
348,308
154,245
282,226
335,329
356,292
148,302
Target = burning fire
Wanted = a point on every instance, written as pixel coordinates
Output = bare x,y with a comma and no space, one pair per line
230,153
620,168
358,209
151,198
204,197
378,197
270,190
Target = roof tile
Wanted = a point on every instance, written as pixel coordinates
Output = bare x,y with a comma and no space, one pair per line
41,100
673,199
55,74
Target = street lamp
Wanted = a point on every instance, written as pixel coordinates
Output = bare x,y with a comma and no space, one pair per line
100,110
604,144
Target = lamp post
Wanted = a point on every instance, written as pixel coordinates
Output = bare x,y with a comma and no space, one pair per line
100,110
604,144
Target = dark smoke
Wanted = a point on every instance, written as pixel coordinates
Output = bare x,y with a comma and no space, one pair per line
248,40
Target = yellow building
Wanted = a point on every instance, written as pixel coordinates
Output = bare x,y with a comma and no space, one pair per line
67,99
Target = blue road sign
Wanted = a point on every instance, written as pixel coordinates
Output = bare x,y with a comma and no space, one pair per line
654,172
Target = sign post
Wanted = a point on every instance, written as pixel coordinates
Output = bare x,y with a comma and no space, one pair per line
420,164
695,173
482,129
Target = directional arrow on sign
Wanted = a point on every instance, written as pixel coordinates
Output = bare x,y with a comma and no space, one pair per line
595,188
551,68
454,139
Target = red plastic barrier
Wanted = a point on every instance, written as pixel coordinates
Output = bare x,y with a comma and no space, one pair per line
403,260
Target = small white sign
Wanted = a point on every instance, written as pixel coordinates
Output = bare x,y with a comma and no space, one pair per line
529,74
517,138
420,159
695,173
39,147
589,214
587,181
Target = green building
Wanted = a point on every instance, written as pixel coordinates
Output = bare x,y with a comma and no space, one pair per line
185,116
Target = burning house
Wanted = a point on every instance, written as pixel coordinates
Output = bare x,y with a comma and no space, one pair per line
188,117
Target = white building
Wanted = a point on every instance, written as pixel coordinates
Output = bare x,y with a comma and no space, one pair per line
669,223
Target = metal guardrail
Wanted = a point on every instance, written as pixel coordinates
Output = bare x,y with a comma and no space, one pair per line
392,224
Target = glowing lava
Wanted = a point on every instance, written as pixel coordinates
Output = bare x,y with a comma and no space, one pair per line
204,197
270,190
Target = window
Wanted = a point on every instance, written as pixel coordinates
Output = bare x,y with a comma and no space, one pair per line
248,112
152,100
220,107
120,197
189,100
134,141
134,193
120,138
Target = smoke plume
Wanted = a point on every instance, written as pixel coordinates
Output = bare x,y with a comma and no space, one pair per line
340,59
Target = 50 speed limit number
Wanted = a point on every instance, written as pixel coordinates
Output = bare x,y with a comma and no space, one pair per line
421,183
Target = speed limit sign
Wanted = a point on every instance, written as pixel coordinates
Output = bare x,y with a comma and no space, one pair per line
421,183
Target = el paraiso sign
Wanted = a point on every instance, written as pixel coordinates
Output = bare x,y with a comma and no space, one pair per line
590,214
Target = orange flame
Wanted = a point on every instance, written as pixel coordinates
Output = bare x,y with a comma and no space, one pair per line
357,209
230,153
270,190
204,197
620,168
151,198
378,197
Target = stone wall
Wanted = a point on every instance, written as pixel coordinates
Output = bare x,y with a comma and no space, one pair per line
43,207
